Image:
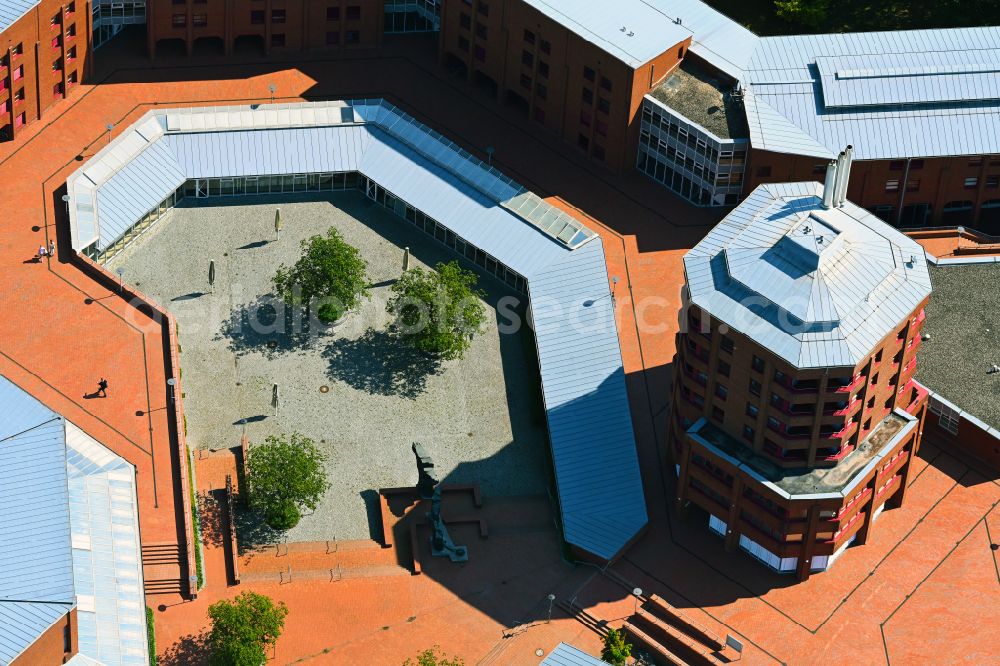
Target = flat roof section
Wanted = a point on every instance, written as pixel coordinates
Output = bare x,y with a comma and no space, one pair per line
704,100
963,320
801,482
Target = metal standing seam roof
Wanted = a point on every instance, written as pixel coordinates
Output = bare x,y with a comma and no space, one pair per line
593,444
567,655
818,287
633,31
892,95
69,525
12,10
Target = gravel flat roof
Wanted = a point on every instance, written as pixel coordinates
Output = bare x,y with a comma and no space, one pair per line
963,320
703,99
803,480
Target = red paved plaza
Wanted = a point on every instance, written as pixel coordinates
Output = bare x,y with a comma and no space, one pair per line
926,589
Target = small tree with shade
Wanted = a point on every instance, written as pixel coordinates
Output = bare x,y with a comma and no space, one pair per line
616,651
438,312
285,475
331,271
244,629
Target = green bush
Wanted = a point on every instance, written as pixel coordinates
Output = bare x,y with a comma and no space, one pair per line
432,657
329,269
329,313
616,651
439,311
285,475
151,636
244,628
284,516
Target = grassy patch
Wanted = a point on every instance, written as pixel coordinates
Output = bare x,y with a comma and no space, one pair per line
151,636
196,522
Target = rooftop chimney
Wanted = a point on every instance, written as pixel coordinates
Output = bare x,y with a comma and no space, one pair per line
844,175
828,186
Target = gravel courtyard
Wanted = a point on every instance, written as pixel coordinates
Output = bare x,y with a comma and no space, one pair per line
363,397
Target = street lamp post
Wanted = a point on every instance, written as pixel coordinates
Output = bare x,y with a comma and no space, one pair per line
614,288
109,127
489,155
121,280
171,382
551,598
272,89
636,593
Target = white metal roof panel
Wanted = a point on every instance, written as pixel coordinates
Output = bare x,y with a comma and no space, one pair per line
716,38
827,306
70,530
925,78
633,31
567,655
593,444
919,93
12,10
107,560
135,188
35,562
22,622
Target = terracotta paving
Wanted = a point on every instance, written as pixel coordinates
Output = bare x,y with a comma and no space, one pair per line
910,596
948,244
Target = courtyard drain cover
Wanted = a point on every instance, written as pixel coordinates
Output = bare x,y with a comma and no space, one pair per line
271,344
324,389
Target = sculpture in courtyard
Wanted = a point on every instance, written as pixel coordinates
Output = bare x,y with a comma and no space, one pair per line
429,487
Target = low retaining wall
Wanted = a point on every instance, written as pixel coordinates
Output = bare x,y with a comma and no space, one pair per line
153,309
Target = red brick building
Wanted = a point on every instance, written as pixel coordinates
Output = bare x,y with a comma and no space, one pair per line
795,414
581,71
218,26
44,52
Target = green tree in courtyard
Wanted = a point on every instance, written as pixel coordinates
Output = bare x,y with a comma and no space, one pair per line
616,651
284,476
329,270
244,629
438,312
432,657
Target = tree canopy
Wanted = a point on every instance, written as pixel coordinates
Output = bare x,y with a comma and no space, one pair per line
783,17
329,270
616,651
244,628
439,311
284,476
433,657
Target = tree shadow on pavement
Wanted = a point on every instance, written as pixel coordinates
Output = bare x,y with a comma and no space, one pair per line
210,512
252,532
190,650
380,363
266,325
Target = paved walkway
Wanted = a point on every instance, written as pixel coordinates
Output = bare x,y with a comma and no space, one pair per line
910,596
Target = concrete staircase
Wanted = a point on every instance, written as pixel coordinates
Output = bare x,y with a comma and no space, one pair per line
162,568
673,636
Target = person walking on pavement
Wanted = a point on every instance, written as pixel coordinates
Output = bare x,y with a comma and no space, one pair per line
102,388
41,252
52,248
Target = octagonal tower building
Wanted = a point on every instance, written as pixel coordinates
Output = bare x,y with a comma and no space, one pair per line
795,415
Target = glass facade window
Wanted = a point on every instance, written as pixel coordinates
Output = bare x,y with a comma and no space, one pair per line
689,160
412,16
